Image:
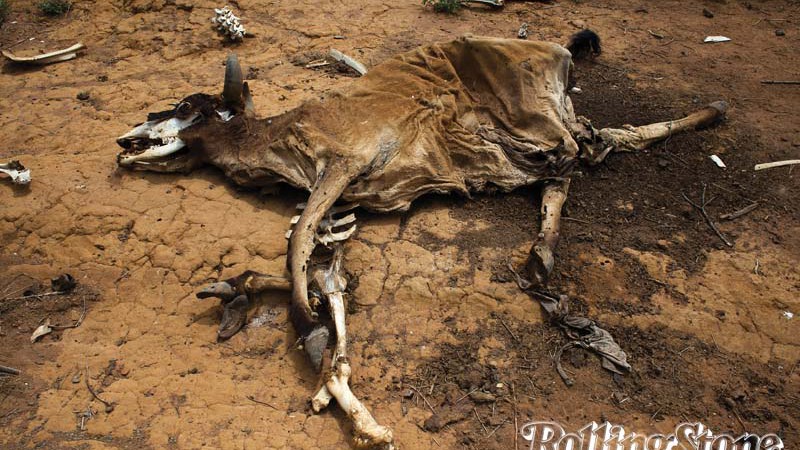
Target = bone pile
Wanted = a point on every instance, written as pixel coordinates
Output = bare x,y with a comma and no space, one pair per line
228,24
18,173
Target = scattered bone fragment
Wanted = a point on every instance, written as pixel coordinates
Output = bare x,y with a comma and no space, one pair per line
770,165
18,173
715,39
523,31
718,161
352,63
46,58
228,24
41,330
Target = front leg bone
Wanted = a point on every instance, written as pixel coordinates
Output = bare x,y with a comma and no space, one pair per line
639,138
368,433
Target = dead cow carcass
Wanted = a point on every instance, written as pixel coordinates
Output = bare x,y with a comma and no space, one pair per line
471,115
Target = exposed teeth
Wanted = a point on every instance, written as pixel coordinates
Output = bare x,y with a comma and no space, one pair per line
157,151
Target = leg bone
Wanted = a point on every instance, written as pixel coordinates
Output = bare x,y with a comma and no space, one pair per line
368,433
639,138
540,260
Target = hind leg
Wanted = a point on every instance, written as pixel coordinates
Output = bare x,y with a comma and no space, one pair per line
540,260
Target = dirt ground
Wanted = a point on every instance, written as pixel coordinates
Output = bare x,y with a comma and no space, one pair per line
434,312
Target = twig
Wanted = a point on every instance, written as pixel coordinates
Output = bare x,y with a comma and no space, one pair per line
9,370
465,395
109,406
45,294
77,322
252,399
479,420
780,81
423,398
739,213
702,208
514,336
572,219
561,372
497,428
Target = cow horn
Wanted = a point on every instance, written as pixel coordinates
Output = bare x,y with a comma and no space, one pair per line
232,90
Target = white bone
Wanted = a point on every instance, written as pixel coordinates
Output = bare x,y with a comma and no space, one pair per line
154,152
367,432
18,173
163,129
329,237
46,58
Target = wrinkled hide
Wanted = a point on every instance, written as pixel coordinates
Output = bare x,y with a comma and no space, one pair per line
464,116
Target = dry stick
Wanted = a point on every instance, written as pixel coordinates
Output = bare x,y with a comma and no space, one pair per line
557,358
109,406
77,322
702,208
509,330
780,81
739,213
252,399
572,219
423,398
465,395
479,420
46,294
497,428
9,370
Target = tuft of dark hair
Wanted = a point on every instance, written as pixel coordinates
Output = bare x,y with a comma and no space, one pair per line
585,43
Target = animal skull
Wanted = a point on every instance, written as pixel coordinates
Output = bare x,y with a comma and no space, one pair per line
472,115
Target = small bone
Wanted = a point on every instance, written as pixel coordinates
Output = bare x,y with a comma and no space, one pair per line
330,237
352,63
18,173
46,58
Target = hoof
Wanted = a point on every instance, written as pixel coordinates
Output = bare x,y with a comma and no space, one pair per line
315,344
221,290
233,317
540,264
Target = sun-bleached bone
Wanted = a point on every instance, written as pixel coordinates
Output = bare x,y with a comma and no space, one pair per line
367,432
228,24
46,58
18,173
325,234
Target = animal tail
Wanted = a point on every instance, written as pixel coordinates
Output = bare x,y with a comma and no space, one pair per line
583,44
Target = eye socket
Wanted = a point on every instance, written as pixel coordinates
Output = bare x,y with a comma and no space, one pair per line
183,108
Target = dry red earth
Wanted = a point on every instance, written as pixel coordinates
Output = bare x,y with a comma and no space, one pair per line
433,305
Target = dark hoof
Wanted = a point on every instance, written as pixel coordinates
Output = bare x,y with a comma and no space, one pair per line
539,265
221,290
233,317
63,283
315,344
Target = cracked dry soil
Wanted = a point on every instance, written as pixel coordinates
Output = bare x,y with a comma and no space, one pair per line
432,305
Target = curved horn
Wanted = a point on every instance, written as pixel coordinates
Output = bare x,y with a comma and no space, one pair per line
232,90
